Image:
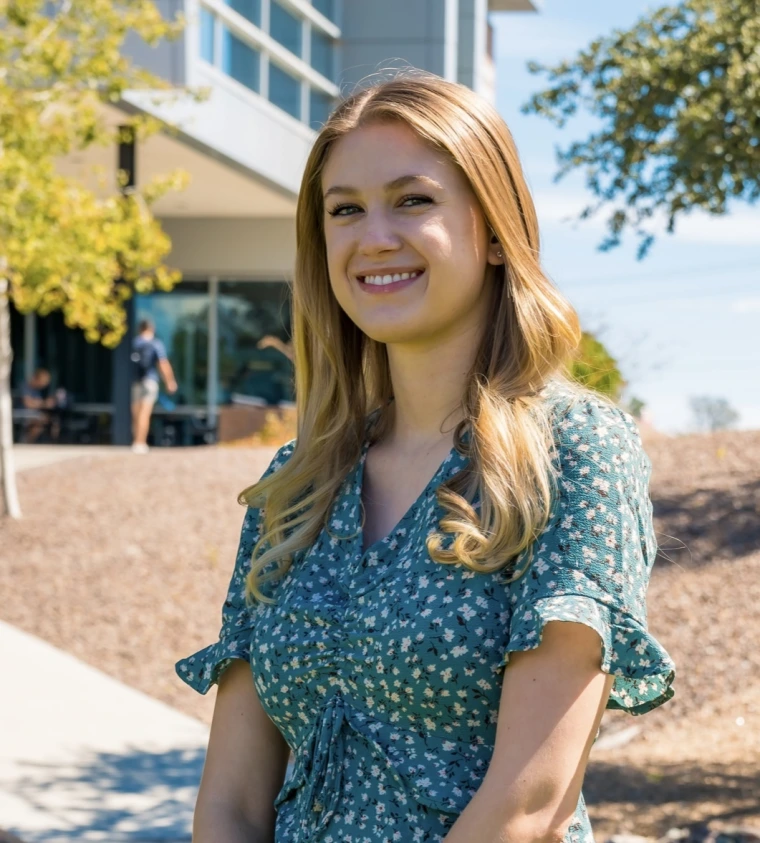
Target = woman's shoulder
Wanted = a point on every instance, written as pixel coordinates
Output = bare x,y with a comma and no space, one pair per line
579,413
282,455
598,444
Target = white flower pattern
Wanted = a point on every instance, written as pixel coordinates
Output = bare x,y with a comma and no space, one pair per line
383,670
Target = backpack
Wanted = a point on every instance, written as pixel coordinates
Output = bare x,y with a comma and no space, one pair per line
143,359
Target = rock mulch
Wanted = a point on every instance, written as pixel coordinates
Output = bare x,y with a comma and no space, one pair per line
124,562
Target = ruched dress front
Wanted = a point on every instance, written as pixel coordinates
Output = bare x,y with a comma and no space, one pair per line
383,669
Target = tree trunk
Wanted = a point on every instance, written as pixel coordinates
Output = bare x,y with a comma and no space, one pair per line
9,498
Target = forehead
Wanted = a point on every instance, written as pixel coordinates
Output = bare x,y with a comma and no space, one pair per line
373,155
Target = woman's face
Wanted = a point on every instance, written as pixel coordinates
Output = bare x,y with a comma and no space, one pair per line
395,208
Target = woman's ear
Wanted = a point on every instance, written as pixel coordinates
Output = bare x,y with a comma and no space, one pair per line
495,252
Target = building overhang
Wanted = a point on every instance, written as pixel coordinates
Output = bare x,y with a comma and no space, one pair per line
219,186
514,5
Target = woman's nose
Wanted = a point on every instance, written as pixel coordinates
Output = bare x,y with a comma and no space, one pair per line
377,234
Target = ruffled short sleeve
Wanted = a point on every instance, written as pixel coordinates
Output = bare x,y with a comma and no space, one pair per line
203,669
592,563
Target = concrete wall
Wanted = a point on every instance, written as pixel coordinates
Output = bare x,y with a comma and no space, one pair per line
421,33
167,58
234,123
240,126
472,43
232,248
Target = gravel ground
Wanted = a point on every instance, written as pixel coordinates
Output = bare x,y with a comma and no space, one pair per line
124,562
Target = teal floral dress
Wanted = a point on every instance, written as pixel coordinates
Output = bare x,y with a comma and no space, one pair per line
383,669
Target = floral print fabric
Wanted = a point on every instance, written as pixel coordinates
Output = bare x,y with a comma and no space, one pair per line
383,669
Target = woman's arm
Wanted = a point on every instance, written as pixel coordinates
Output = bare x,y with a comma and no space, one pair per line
245,766
552,702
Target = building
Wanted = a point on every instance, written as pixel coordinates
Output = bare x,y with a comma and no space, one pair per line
275,69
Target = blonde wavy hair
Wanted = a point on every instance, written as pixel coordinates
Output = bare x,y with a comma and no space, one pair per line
342,375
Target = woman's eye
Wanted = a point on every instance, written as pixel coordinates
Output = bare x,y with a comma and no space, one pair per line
416,199
345,210
337,211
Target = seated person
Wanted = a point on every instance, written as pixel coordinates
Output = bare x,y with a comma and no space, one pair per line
34,396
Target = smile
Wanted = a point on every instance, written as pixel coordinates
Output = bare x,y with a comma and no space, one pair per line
389,282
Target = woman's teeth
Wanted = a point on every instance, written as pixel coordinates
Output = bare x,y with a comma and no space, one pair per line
380,280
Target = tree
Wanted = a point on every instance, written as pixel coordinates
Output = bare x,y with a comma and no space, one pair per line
596,368
61,247
636,407
713,414
679,103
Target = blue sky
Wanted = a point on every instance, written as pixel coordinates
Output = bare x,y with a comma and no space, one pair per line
683,321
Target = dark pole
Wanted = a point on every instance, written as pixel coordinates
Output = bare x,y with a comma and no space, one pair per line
121,428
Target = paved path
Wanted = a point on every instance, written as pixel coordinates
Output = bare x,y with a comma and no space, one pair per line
34,456
86,758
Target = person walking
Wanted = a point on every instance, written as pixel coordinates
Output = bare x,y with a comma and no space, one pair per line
440,584
148,359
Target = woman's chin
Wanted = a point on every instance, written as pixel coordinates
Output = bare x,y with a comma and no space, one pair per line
398,332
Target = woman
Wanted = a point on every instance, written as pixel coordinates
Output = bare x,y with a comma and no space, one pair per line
453,506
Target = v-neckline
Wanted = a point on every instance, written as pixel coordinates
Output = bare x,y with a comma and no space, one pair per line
359,488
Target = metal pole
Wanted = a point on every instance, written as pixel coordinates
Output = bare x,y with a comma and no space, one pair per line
121,427
212,379
30,345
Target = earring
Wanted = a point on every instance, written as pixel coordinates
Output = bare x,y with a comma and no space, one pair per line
499,255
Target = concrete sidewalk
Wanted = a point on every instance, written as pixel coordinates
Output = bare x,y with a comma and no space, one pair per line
34,456
83,757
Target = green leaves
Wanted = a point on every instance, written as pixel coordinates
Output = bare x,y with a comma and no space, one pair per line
678,100
596,368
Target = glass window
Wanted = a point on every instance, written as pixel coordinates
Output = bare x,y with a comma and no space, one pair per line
249,312
284,91
322,54
249,9
326,7
82,368
181,320
285,28
320,106
207,35
240,61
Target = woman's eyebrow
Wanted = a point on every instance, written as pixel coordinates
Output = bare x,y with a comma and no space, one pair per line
401,181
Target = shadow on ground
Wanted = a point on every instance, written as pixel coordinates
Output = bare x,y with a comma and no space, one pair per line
117,797
664,796
712,523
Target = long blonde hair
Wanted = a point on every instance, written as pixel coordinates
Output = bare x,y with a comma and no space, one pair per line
342,375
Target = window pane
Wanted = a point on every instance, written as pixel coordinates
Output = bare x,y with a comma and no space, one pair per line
322,54
249,9
248,312
320,106
240,60
326,7
207,35
285,28
284,91
181,320
81,367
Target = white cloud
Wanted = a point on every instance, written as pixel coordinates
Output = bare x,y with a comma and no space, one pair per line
737,228
740,227
563,207
748,304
